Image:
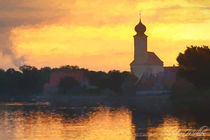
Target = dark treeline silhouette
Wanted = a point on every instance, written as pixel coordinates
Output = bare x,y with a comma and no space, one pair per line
194,66
67,84
29,80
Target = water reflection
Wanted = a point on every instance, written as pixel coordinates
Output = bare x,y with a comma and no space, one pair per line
42,122
168,130
103,124
174,129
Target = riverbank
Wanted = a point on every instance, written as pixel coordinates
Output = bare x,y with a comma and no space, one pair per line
191,101
194,94
150,104
180,101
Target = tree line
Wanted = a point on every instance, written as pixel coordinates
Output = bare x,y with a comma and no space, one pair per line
29,80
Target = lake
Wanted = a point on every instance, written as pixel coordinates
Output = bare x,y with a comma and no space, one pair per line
42,121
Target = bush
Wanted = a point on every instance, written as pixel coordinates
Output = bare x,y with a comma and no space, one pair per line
194,65
67,84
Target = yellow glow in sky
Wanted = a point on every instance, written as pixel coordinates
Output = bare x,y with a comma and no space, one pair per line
99,34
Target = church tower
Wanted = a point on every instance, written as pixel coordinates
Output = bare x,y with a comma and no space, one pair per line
140,43
144,62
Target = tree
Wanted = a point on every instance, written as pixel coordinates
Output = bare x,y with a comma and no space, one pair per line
30,79
2,81
115,80
68,68
98,79
194,65
67,84
12,81
44,75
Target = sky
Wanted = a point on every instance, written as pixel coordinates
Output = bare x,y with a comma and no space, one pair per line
97,34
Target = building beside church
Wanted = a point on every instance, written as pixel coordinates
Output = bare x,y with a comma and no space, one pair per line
144,63
55,78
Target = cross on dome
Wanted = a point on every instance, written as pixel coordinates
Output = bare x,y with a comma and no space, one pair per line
140,28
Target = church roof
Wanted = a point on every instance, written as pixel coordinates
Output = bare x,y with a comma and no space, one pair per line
153,59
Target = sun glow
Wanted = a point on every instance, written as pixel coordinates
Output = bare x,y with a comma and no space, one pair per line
90,35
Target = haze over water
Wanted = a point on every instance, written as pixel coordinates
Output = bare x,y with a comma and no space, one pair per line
21,121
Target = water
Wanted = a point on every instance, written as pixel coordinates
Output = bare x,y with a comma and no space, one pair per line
41,121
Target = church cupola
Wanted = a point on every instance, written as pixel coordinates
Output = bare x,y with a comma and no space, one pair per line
140,28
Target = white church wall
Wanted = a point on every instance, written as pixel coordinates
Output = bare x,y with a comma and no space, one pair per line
146,69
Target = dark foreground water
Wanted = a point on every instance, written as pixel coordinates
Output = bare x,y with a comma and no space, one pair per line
41,121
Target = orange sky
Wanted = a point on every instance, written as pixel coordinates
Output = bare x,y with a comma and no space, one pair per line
98,34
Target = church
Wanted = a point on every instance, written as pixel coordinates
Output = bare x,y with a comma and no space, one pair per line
144,63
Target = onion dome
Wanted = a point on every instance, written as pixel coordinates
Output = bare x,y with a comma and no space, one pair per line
140,28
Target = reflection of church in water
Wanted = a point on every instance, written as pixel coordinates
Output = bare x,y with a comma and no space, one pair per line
144,62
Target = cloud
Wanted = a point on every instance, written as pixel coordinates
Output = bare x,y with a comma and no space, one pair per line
15,13
179,14
95,16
